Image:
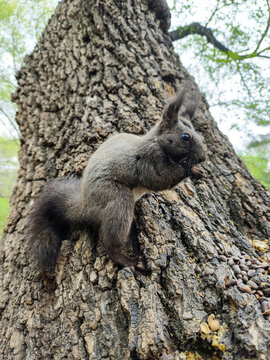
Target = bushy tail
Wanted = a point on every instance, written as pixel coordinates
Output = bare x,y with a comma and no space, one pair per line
53,212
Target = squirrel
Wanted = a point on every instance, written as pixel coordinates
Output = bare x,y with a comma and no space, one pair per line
119,172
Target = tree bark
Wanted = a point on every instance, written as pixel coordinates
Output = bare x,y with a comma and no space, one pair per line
103,67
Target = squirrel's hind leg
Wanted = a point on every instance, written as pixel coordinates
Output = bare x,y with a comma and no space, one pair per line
115,226
142,262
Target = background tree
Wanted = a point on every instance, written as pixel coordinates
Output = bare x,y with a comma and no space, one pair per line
100,68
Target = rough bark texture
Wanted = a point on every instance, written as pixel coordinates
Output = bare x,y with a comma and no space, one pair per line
102,67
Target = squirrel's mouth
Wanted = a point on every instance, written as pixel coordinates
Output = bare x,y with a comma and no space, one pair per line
187,161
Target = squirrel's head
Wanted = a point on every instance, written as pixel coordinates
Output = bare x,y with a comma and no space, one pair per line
176,135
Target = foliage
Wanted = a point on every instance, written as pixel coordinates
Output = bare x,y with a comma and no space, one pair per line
236,81
4,210
21,23
257,159
8,165
258,165
8,172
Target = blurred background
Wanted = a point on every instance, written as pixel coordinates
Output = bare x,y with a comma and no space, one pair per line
224,44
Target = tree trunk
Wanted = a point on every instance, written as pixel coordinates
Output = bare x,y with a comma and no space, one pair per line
103,67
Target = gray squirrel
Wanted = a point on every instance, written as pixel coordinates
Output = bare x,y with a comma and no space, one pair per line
121,170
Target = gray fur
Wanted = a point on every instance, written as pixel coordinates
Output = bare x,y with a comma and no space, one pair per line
123,168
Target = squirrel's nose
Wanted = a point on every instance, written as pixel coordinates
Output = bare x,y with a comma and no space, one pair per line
202,156
199,149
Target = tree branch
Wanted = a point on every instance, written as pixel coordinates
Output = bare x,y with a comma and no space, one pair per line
266,29
264,56
197,28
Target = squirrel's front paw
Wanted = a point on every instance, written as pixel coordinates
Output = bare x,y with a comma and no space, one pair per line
198,172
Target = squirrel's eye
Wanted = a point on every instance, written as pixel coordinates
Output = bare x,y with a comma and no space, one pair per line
185,137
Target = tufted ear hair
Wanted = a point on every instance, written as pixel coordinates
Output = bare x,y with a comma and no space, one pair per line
188,110
171,110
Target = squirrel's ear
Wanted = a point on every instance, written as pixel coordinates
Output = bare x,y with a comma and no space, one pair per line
189,107
170,113
188,110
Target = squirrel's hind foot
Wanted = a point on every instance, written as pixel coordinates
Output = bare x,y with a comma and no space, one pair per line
143,264
140,263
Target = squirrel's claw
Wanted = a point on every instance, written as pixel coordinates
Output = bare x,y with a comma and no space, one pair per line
143,264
